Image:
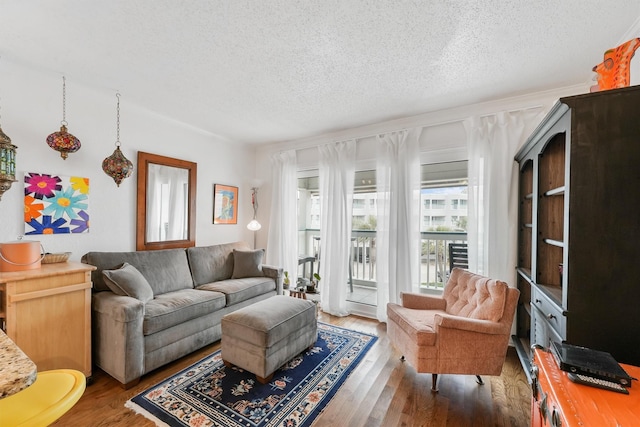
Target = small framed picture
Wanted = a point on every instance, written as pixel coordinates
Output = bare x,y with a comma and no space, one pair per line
225,204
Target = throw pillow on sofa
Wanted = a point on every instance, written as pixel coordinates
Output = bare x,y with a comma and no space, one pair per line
247,263
128,281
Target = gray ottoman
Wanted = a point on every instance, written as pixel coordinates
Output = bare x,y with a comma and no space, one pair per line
262,337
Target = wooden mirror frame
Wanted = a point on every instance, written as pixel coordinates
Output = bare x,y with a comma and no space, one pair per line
144,159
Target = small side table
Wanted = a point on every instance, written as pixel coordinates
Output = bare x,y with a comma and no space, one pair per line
297,293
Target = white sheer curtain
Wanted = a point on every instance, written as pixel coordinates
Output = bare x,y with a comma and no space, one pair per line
492,142
178,183
282,246
154,208
167,203
397,232
337,174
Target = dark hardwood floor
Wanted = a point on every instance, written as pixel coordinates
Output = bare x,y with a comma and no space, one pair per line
381,391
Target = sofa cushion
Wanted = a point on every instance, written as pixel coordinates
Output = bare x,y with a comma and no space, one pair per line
270,321
166,270
247,263
174,308
418,324
475,296
212,263
128,281
238,290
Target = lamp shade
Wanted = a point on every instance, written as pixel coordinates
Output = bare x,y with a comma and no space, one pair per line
117,166
64,142
254,225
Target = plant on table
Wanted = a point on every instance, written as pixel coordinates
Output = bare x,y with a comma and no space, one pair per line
286,280
315,282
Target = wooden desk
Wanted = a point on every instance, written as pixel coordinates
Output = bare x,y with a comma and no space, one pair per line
47,314
17,371
580,405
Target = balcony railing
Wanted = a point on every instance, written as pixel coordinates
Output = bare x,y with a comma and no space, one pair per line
434,259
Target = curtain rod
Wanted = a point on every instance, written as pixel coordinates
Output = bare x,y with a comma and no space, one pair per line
421,127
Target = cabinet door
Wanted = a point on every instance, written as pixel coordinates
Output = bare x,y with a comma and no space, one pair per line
525,238
49,318
551,189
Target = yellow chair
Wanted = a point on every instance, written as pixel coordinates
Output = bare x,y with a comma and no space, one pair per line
51,395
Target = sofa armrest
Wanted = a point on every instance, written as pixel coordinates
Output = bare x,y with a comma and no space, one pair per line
120,308
422,302
276,273
468,324
118,340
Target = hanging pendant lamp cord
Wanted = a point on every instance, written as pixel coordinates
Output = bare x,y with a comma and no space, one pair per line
118,121
64,101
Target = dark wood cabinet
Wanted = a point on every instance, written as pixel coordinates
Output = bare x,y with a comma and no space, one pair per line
579,227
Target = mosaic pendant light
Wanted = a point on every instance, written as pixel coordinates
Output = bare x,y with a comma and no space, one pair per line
63,141
7,162
117,166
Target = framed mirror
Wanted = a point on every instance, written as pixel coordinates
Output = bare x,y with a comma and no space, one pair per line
166,206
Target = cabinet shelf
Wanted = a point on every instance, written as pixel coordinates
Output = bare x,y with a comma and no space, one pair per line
525,273
559,191
553,242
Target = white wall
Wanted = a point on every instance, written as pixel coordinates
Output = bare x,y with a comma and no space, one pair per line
31,109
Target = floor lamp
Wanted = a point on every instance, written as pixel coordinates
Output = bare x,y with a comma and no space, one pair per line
254,225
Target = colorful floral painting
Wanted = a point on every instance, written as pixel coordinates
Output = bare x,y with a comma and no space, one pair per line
55,204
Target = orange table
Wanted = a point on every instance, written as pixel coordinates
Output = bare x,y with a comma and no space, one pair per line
560,401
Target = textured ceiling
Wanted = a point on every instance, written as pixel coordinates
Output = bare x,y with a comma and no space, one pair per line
271,70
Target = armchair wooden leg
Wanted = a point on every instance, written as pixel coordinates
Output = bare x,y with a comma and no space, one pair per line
434,383
479,380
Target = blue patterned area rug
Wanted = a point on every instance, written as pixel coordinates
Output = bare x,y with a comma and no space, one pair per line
209,394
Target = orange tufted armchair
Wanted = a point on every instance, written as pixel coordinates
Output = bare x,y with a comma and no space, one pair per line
465,331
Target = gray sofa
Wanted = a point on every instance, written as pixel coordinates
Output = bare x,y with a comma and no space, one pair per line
152,307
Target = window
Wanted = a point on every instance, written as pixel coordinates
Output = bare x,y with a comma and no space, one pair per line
437,204
443,218
358,203
443,214
363,239
438,220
